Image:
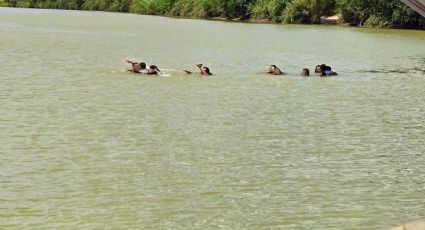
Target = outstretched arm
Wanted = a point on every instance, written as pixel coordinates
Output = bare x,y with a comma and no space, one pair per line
187,71
130,62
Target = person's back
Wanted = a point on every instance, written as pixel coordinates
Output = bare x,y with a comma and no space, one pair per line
137,67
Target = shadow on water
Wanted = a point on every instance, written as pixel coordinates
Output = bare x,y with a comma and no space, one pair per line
415,70
385,71
419,68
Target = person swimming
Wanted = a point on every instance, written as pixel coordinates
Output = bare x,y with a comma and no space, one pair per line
274,70
204,70
305,72
324,70
153,70
141,68
136,67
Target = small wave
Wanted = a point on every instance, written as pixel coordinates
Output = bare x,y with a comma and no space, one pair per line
385,71
165,75
9,25
162,74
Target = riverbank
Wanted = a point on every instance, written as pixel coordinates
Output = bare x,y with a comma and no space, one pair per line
353,13
325,20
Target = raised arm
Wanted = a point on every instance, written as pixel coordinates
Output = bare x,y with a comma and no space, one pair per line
130,62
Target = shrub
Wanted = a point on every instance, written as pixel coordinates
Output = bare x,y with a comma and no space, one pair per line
296,12
271,10
308,11
196,8
120,6
376,21
377,12
3,3
152,7
95,5
234,8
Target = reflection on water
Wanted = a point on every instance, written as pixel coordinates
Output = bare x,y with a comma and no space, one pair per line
85,145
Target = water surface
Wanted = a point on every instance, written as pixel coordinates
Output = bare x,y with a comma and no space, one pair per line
85,145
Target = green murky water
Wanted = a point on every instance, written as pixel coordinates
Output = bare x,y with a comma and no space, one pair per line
84,145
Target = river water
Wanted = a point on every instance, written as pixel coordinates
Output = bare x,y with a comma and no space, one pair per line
86,145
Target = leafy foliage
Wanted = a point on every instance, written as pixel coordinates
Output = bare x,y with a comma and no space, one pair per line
269,10
3,3
308,11
353,12
378,13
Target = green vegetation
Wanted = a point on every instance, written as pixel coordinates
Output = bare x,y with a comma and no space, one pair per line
308,11
381,13
378,13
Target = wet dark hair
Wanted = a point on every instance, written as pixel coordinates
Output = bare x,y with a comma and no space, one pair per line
317,69
323,69
274,66
154,67
306,72
207,70
143,65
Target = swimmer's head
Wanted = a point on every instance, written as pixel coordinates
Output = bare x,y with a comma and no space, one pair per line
322,68
272,68
317,69
143,65
154,67
207,71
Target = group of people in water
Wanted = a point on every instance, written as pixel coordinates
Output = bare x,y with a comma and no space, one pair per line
322,70
141,68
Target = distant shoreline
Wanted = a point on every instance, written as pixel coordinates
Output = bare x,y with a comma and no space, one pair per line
333,22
